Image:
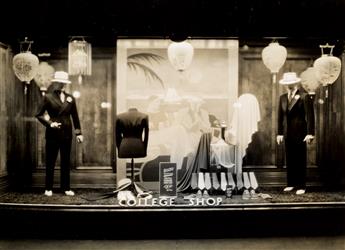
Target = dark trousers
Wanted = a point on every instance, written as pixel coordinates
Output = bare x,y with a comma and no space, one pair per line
52,149
296,163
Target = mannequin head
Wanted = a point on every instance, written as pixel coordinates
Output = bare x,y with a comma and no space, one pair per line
57,87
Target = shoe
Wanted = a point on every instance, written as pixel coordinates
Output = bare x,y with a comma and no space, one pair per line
288,189
199,194
48,193
145,195
253,194
246,194
131,201
141,193
228,191
190,196
205,194
265,196
300,191
69,193
121,197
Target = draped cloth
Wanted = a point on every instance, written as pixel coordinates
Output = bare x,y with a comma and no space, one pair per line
222,154
199,161
243,125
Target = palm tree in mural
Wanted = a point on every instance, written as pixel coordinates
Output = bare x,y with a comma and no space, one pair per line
135,62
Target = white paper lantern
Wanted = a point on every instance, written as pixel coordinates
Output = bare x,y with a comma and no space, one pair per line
274,56
45,74
180,55
309,80
327,68
25,66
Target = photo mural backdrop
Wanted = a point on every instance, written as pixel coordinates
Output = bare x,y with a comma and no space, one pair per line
180,105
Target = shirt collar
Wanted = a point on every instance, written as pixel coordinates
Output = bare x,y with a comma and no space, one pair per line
292,92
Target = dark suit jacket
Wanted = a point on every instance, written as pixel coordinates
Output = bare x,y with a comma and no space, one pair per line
296,119
60,112
130,127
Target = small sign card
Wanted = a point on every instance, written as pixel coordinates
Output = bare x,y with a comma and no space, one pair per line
167,179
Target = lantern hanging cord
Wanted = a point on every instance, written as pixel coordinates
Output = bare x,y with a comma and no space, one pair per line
26,42
77,38
327,46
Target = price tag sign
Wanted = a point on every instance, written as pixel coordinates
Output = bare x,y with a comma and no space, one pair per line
167,179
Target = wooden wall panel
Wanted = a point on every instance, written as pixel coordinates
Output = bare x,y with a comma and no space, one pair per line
4,57
97,121
93,161
97,150
332,159
21,127
256,79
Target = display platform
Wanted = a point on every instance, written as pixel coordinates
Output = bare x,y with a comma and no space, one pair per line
31,214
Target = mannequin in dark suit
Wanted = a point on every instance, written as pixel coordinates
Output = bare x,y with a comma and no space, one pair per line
61,107
296,127
130,127
132,134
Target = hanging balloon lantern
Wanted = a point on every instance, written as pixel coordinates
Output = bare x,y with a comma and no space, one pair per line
44,75
180,55
274,57
25,64
79,58
309,81
327,66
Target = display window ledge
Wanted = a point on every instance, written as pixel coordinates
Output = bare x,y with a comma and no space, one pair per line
105,199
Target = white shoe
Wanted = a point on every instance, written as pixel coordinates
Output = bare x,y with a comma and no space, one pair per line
246,195
69,193
288,189
300,191
48,193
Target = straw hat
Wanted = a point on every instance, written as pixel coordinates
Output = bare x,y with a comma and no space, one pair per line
61,76
124,183
289,78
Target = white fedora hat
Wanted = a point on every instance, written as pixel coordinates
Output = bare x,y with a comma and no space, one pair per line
124,183
289,78
61,76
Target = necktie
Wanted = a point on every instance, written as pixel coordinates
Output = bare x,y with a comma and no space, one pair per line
239,181
223,181
215,181
246,180
253,182
201,181
289,96
208,183
194,181
231,181
62,97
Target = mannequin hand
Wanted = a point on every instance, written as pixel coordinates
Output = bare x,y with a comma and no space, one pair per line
80,138
55,125
280,139
308,138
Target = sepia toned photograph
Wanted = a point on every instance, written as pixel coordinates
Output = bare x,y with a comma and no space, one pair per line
137,125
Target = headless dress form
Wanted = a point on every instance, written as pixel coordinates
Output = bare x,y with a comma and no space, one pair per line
132,132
